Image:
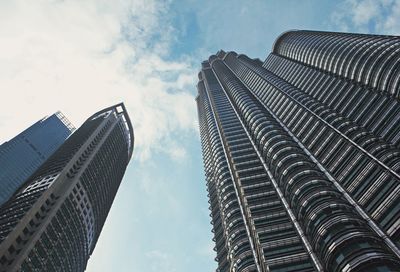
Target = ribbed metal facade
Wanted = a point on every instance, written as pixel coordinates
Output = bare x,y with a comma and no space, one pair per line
302,154
25,153
54,221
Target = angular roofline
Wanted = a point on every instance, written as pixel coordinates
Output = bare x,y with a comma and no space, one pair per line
127,121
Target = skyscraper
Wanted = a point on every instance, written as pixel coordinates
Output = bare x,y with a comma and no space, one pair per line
22,155
302,154
54,221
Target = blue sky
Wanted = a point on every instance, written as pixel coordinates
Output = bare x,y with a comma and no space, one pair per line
80,56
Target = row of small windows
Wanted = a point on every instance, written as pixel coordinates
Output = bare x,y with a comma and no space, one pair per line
263,198
226,121
231,126
212,142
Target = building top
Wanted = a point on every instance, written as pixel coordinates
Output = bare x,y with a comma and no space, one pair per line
65,121
368,60
25,153
120,109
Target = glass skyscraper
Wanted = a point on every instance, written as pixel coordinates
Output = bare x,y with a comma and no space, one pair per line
22,155
302,154
53,222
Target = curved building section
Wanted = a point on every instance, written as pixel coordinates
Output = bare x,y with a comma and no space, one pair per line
313,151
376,113
53,223
288,161
370,60
365,161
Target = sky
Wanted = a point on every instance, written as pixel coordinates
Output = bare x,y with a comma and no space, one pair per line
80,56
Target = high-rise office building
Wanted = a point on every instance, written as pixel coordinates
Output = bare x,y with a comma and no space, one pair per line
54,221
302,154
22,155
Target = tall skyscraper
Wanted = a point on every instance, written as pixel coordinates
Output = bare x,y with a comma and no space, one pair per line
22,155
302,154
54,221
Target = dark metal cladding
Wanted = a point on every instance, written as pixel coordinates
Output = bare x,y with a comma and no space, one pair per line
370,60
302,163
53,223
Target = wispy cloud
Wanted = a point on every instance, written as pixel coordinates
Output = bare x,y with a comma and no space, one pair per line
80,56
376,16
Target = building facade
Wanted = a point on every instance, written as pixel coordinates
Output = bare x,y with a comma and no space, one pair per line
54,221
302,154
22,156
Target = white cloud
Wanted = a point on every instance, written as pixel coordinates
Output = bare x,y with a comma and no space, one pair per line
81,56
377,16
392,22
364,11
